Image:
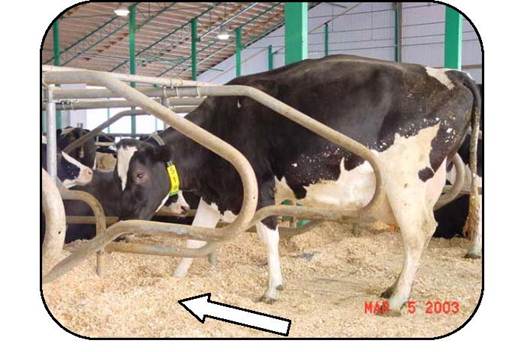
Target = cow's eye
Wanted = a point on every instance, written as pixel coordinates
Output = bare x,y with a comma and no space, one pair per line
140,175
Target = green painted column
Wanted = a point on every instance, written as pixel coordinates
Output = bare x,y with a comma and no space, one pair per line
270,57
398,31
132,59
238,51
56,62
326,39
194,39
296,26
453,39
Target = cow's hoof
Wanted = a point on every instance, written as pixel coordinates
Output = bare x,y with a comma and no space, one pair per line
472,256
280,287
388,292
267,300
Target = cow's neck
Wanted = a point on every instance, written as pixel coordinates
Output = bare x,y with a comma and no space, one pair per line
189,157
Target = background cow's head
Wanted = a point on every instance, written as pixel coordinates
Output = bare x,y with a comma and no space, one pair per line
141,169
84,153
71,172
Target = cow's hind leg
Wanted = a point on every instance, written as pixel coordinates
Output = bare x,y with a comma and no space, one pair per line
271,238
205,216
417,225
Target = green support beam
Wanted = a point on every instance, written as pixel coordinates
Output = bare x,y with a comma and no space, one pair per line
132,59
194,39
326,39
453,39
238,51
296,26
56,62
270,57
398,31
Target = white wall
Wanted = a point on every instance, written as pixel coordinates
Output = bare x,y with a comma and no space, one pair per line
366,30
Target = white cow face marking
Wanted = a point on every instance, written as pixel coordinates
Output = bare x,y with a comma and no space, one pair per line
440,75
180,207
124,156
84,176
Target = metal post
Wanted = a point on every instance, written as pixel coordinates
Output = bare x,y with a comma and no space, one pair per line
108,116
238,51
453,39
326,39
296,25
132,61
270,57
56,61
51,134
398,31
194,39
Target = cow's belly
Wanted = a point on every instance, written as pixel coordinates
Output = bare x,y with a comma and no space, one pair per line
352,190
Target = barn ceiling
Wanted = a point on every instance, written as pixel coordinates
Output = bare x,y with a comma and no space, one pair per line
93,37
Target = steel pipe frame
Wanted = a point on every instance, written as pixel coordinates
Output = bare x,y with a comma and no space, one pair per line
456,188
54,213
247,216
87,93
100,219
168,82
314,126
74,219
51,134
95,131
189,129
104,104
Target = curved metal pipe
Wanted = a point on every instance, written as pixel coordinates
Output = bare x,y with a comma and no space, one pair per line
163,81
458,185
189,129
99,215
55,228
121,228
319,128
95,131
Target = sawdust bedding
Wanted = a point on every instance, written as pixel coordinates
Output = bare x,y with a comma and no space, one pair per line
329,275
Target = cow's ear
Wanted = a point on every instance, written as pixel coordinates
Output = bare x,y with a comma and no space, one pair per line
163,153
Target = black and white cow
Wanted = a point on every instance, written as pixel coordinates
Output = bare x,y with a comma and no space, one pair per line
106,188
413,117
85,153
69,170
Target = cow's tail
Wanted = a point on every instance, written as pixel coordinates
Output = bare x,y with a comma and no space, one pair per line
472,221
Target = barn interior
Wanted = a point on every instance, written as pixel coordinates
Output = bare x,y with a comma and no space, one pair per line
177,54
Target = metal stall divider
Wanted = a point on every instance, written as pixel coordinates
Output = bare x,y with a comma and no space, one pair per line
247,216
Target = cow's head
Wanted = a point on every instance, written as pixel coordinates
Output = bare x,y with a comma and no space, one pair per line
84,153
141,169
72,173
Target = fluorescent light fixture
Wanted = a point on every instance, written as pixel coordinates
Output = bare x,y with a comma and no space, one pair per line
122,11
223,35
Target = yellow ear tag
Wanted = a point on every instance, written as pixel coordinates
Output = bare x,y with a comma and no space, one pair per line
173,179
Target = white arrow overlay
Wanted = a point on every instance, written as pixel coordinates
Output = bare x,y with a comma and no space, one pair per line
201,307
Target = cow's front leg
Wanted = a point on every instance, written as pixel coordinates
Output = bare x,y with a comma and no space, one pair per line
206,216
271,239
